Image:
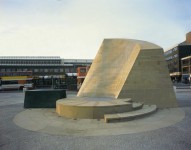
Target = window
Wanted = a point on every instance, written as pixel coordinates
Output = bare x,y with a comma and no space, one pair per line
36,70
67,70
19,69
8,70
82,70
73,70
61,70
55,70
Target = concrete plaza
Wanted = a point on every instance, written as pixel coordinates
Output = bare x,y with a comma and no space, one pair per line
174,137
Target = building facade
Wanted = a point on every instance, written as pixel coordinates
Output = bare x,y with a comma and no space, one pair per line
186,69
71,65
45,70
174,55
71,70
81,74
38,66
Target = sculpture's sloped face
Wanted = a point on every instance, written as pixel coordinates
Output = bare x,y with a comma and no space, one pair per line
110,69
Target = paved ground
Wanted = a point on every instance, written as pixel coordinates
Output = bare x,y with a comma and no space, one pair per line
13,137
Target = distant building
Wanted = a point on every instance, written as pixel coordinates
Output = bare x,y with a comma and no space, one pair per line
186,69
71,68
44,69
81,74
71,65
174,55
39,66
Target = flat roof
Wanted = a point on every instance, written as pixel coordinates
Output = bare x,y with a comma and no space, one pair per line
30,57
176,45
171,47
77,60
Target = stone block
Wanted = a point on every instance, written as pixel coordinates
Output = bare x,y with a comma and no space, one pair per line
43,98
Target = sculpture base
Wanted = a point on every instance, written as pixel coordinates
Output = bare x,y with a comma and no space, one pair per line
91,108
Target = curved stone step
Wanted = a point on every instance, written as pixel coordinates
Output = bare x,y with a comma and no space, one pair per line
146,109
125,100
137,106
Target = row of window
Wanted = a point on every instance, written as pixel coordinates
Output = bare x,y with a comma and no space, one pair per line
49,70
70,70
170,51
173,62
174,70
33,70
66,70
15,74
186,70
30,62
14,69
172,57
186,62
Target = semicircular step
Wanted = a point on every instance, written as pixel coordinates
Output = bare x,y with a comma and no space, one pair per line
137,106
126,116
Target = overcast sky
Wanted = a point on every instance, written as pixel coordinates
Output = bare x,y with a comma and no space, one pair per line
76,28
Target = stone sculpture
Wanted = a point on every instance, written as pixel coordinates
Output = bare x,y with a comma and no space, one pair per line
122,69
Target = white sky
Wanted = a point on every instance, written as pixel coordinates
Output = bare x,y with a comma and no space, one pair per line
76,28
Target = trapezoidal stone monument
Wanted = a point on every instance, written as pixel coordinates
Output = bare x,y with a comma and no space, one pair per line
122,69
